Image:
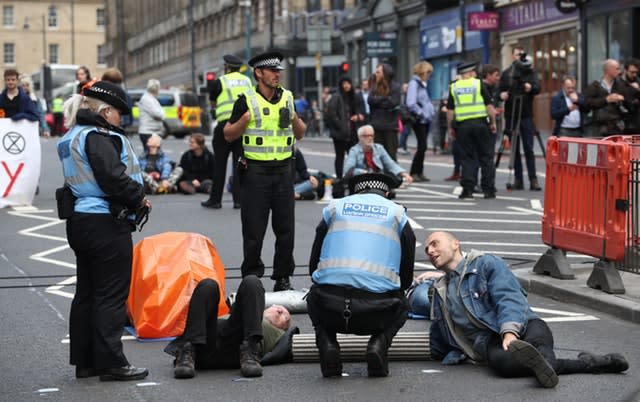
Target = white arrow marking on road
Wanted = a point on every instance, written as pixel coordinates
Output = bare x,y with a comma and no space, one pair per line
536,204
464,219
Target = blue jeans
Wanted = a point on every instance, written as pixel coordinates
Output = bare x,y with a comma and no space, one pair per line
303,187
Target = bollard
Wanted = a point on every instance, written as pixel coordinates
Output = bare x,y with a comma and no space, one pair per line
406,346
328,190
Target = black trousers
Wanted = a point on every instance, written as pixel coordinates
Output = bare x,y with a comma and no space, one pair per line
261,193
422,131
389,140
221,151
474,139
341,148
539,335
371,313
104,253
217,341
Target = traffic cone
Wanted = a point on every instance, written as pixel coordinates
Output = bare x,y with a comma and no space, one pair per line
328,190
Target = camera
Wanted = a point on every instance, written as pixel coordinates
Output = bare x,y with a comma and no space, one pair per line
285,118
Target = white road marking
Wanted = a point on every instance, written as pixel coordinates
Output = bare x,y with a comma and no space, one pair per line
564,316
428,203
422,196
489,220
432,371
414,224
147,384
470,211
526,211
47,390
536,204
490,243
460,230
433,192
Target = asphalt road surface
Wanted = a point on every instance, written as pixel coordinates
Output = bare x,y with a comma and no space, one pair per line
37,284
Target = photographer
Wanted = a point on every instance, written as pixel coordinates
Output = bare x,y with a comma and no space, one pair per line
606,99
518,85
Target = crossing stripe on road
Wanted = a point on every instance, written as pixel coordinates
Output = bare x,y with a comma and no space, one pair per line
461,230
489,220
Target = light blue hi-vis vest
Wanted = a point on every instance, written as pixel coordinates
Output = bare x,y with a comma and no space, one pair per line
78,173
362,246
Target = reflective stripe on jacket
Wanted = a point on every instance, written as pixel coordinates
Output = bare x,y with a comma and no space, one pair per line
263,139
362,246
232,84
469,103
78,173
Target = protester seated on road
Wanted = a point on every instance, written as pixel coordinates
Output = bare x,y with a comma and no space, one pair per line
481,313
418,294
197,167
248,337
305,184
158,171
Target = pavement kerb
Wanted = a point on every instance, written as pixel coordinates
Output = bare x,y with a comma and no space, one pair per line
576,291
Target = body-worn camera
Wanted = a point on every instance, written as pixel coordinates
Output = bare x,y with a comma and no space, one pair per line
284,118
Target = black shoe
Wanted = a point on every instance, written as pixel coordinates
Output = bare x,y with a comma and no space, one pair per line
534,185
282,284
126,373
517,185
611,363
82,372
466,194
377,362
185,363
211,204
236,205
329,351
527,355
489,194
477,189
249,360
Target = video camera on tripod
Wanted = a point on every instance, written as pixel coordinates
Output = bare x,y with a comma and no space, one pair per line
522,68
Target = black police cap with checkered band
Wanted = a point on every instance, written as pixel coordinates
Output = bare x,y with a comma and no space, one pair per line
370,181
270,60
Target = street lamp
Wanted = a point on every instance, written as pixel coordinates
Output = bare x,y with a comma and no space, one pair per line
44,37
246,4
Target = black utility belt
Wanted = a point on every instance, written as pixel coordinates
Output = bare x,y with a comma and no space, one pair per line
350,292
264,168
571,128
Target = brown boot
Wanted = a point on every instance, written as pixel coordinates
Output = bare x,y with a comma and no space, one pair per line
534,186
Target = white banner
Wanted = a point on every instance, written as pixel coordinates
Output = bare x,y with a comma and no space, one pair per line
20,158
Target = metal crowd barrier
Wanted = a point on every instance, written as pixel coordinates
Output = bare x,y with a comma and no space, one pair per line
585,207
631,260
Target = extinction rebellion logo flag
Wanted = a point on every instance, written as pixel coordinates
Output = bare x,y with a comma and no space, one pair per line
20,156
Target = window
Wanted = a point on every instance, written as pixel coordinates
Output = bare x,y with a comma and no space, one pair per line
101,19
102,59
9,53
53,53
7,16
314,5
53,17
608,38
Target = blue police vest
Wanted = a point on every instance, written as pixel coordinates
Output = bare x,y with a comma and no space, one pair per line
78,173
362,247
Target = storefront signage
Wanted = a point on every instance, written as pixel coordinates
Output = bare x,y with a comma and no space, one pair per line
567,6
381,44
438,33
532,13
483,21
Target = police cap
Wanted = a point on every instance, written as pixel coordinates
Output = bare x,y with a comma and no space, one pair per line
110,94
270,60
466,66
370,181
232,61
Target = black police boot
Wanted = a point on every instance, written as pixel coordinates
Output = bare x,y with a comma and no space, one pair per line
527,355
250,360
517,185
466,194
489,194
82,372
329,351
210,204
534,185
185,363
377,362
125,373
282,284
611,363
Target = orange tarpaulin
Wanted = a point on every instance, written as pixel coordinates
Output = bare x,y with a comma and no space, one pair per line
166,269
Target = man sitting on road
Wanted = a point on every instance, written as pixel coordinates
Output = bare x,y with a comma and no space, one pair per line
158,172
481,313
248,336
369,157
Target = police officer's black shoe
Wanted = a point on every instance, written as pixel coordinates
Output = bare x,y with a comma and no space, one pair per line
211,204
611,363
377,362
466,194
534,185
489,194
282,284
249,360
236,205
329,351
517,185
82,372
125,373
185,363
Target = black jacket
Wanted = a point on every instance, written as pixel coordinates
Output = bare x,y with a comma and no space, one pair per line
605,116
341,107
513,81
197,167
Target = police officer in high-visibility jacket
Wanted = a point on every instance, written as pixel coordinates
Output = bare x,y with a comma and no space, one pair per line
361,263
101,170
56,110
474,130
266,120
223,93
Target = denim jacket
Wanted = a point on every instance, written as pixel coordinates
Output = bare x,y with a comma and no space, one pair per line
163,164
492,296
356,163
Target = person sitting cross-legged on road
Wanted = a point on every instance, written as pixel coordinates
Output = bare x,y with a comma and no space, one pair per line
157,168
247,337
481,313
197,166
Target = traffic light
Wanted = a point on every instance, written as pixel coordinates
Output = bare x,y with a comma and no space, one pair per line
209,77
344,68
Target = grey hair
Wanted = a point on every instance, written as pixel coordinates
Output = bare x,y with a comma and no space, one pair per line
77,102
153,85
362,128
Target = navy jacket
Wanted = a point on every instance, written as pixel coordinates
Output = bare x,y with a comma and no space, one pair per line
559,110
27,109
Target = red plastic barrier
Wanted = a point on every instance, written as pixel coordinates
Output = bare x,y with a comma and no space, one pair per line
166,269
586,180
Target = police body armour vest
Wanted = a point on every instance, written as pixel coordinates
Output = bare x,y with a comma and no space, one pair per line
79,175
362,247
233,84
469,103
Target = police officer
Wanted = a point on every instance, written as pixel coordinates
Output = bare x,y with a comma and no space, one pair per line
470,102
361,263
223,93
102,172
56,109
266,120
